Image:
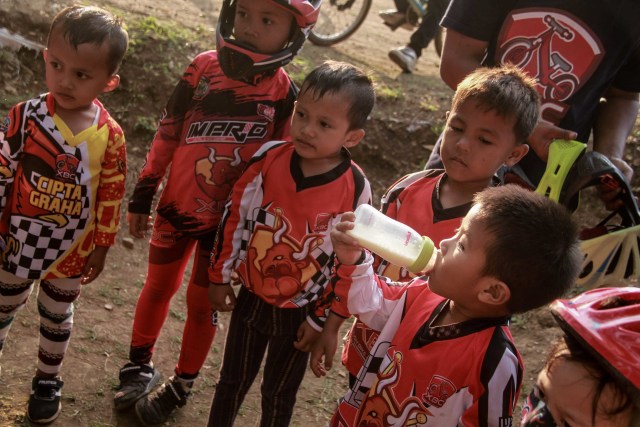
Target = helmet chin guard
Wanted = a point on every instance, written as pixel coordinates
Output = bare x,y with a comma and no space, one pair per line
240,61
606,322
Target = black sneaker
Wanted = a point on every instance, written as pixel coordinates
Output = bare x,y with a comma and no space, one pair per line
44,403
136,381
158,406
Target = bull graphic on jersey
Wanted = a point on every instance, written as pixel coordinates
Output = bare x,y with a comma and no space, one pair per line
381,409
215,175
278,264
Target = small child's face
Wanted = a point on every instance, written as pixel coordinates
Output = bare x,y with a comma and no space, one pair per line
477,142
459,266
75,77
568,390
320,127
262,25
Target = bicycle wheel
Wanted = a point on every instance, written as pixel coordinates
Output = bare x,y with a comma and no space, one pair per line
338,20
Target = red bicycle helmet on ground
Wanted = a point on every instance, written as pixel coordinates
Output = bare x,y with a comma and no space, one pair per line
606,322
239,61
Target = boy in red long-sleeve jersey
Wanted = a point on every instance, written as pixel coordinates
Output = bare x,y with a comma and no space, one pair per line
228,103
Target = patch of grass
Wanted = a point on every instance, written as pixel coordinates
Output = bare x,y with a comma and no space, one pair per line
150,28
145,126
111,295
429,105
298,69
388,93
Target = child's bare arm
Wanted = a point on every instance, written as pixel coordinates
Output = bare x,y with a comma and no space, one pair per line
325,347
94,265
345,247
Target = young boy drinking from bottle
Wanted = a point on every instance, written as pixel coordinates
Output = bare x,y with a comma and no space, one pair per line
445,355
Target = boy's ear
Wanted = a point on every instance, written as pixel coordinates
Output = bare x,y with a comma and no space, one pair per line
494,292
354,137
516,154
44,54
112,83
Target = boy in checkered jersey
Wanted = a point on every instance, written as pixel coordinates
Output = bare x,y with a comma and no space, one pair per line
62,176
493,111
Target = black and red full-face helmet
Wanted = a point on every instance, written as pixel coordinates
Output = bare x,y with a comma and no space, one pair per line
606,322
239,61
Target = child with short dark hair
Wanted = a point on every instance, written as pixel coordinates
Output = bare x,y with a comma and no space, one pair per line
445,354
499,106
275,236
228,103
62,177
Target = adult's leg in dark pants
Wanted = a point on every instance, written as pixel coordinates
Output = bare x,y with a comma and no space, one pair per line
429,26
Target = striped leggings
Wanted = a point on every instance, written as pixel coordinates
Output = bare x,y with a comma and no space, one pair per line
55,306
256,328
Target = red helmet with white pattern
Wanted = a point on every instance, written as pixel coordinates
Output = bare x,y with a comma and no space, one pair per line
239,61
606,322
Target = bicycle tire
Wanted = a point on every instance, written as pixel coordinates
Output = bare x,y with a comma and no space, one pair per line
338,20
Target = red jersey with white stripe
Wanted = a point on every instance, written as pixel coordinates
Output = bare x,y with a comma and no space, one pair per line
413,200
275,231
211,127
464,374
60,193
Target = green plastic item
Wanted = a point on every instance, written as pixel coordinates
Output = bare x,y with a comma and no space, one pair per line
562,156
424,257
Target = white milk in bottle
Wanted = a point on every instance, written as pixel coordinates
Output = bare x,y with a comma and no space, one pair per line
392,240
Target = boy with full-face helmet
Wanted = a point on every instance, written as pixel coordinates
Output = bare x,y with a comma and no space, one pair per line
226,105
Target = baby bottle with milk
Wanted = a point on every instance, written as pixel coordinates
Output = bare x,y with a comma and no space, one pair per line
392,240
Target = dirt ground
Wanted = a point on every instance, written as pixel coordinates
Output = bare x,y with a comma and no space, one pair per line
408,116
